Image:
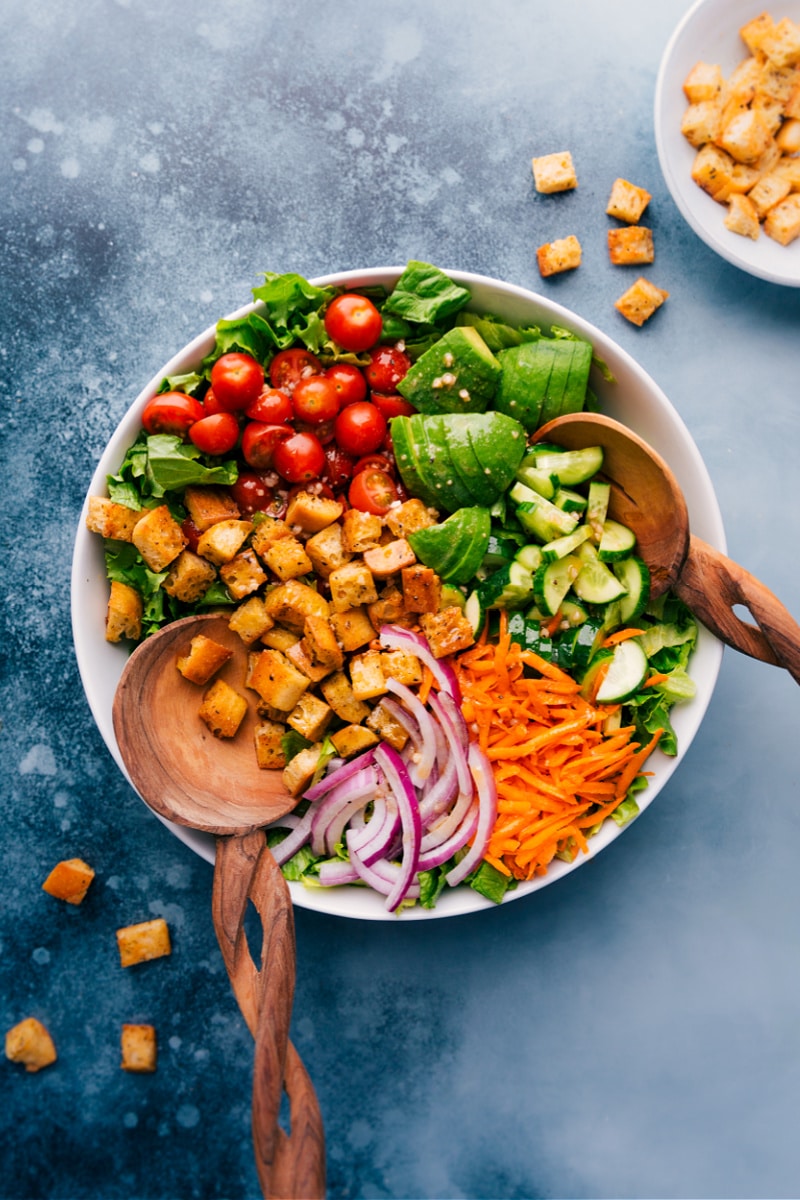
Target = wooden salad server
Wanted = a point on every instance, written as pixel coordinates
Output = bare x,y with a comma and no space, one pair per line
646,497
194,779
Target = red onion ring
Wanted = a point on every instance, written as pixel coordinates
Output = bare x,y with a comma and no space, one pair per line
487,815
396,637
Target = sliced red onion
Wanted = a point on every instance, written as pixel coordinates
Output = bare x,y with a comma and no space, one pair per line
336,871
295,840
437,798
487,800
379,835
339,775
395,637
334,810
436,855
425,757
382,876
398,779
457,748
404,718
456,716
434,833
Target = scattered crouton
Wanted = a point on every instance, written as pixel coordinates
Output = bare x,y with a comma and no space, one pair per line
203,659
124,613
627,202
554,172
30,1043
143,942
223,709
640,301
69,880
563,254
139,1048
632,245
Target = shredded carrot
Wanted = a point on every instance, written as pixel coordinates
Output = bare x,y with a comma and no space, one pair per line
622,635
426,685
654,680
558,773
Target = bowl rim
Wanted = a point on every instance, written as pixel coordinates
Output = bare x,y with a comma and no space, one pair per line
765,259
88,598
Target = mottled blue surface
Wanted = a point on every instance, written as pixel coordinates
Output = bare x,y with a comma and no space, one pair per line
632,1031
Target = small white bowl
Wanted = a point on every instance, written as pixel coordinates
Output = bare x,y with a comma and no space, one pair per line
710,33
633,399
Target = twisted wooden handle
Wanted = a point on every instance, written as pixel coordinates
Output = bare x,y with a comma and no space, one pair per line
711,585
291,1166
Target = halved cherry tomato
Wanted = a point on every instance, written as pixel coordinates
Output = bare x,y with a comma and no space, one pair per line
272,406
236,380
349,381
251,493
315,400
338,467
373,492
387,366
353,322
191,533
260,441
300,458
374,462
392,406
215,434
171,412
288,367
360,428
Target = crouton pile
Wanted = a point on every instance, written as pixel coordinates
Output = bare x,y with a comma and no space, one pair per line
746,130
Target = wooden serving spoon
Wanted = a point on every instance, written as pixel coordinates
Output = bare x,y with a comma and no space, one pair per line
646,497
194,779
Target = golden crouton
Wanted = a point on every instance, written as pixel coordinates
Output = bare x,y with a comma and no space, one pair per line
389,609
310,717
278,682
554,172
223,540
223,709
631,245
280,638
387,727
299,655
410,516
564,254
69,880
791,108
242,575
720,175
770,189
328,549
755,30
208,505
388,559
781,43
268,736
746,136
640,301
422,589
339,695
203,659
321,643
352,628
787,139
291,602
402,666
312,513
360,530
782,222
702,122
143,942
627,202
742,217
30,1043
111,520
251,620
704,82
139,1049
288,559
447,631
790,168
351,586
189,577
299,772
124,613
266,532
366,675
353,739
158,537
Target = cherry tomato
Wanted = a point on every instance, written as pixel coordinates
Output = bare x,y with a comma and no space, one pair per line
288,367
373,492
259,442
210,404
349,381
300,458
338,467
272,406
236,381
373,462
353,322
215,434
171,412
251,493
387,366
392,406
191,533
360,428
315,400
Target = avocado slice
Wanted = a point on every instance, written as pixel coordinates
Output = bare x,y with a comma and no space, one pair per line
458,374
435,466
543,379
405,455
455,547
574,398
453,430
498,443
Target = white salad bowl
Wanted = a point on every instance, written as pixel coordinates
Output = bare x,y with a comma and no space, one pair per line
632,398
709,32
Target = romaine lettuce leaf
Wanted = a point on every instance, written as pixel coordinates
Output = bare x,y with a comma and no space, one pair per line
424,294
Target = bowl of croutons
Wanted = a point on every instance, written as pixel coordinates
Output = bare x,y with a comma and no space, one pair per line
727,125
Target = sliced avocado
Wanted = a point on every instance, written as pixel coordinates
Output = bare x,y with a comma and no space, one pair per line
455,547
436,468
498,443
574,398
453,429
405,454
542,379
458,374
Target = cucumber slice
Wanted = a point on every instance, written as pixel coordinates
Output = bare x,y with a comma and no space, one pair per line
535,477
634,574
565,545
597,507
475,612
574,614
552,582
617,541
597,584
530,556
510,587
499,551
569,500
571,466
626,674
